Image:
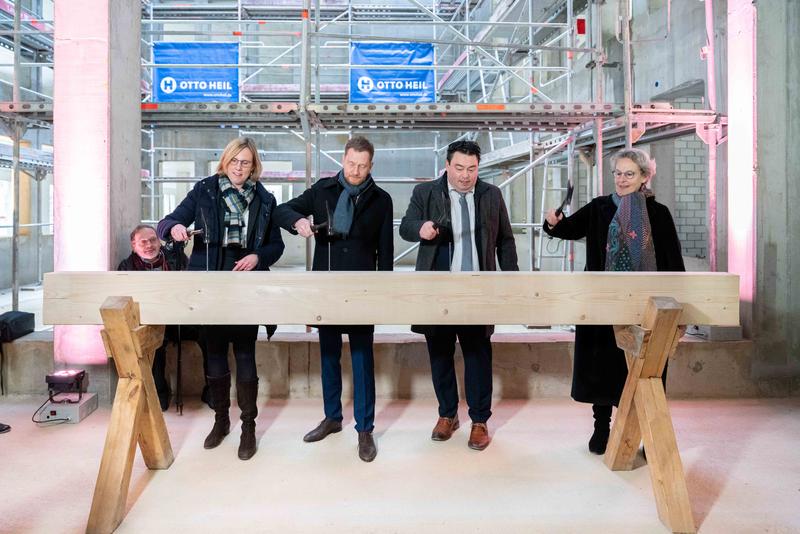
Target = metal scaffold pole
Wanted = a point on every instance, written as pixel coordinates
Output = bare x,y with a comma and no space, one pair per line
626,70
16,133
711,136
305,88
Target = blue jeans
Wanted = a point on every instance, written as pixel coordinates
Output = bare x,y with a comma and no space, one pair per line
361,355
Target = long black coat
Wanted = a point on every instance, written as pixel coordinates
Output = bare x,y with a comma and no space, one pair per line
370,243
204,207
599,369
494,239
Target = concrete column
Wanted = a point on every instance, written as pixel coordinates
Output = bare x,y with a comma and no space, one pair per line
97,146
742,152
777,309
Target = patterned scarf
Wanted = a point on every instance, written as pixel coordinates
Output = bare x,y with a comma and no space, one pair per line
158,264
346,205
630,240
236,203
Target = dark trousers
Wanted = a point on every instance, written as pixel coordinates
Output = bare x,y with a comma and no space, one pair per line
362,358
477,349
160,360
243,338
160,368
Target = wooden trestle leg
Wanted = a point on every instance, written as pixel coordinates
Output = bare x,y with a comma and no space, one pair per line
643,413
136,415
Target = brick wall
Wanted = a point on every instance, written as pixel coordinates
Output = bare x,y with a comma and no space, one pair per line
691,188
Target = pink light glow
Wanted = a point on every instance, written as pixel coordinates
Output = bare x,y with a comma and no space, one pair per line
742,145
79,345
81,152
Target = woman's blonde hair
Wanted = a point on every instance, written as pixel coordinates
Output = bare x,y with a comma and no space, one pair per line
233,148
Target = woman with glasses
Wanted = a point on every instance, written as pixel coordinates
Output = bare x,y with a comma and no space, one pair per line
625,231
234,231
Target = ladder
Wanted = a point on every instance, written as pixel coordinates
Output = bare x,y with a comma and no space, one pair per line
554,188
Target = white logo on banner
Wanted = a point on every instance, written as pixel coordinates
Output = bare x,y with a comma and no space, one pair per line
168,84
365,84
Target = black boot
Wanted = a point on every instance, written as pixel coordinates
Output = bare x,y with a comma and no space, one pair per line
205,396
220,388
602,428
246,394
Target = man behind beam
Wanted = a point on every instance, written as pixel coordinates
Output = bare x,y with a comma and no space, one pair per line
358,237
462,224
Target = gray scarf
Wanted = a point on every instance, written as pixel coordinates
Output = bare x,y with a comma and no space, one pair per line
346,205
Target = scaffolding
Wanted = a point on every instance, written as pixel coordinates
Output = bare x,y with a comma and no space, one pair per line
503,70
31,41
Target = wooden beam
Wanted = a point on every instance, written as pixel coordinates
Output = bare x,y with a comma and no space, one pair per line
662,319
625,436
153,437
535,298
148,339
666,468
631,338
114,476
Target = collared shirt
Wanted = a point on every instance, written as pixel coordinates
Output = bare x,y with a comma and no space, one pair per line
456,222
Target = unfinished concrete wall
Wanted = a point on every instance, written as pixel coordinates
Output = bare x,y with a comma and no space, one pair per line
777,300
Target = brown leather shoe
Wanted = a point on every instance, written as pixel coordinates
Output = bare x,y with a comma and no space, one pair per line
444,428
479,437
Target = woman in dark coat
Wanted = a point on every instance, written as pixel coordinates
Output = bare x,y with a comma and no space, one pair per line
234,213
625,231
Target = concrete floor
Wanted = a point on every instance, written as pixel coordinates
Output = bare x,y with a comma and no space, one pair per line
740,458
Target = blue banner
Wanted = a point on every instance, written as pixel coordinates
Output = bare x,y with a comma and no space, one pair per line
389,85
194,84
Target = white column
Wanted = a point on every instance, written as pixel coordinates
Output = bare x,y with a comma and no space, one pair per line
97,147
742,152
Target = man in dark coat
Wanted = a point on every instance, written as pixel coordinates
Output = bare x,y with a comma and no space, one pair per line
357,236
462,224
147,254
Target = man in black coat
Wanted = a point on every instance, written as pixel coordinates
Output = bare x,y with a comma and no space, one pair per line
355,234
147,254
462,224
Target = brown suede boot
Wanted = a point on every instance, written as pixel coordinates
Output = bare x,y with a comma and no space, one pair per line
246,394
220,388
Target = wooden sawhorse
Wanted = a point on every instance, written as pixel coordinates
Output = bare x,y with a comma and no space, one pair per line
643,412
135,416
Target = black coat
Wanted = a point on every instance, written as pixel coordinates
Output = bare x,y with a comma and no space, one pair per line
204,207
599,369
494,239
174,256
370,243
